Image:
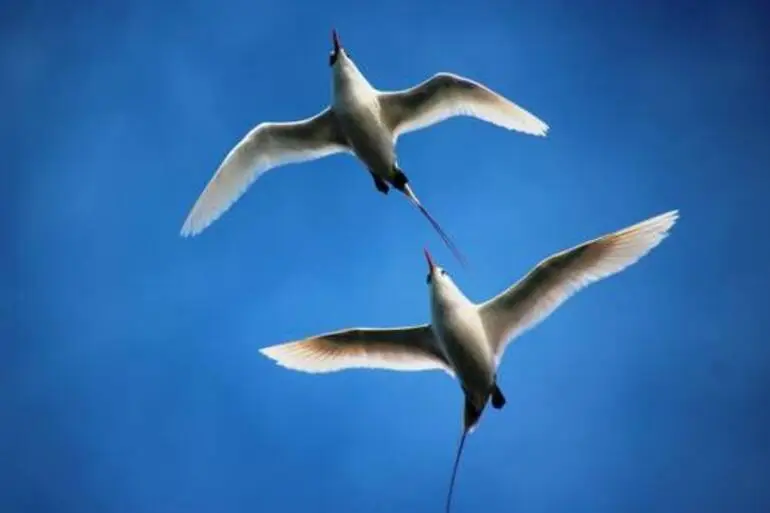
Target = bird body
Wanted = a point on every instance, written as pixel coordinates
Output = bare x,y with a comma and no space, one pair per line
459,333
466,339
360,120
358,112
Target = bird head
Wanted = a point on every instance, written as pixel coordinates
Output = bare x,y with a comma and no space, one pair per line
437,277
337,49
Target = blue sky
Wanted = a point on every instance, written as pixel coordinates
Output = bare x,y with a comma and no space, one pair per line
129,374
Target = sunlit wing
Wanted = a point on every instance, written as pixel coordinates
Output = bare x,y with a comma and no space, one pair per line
555,279
446,95
401,349
266,146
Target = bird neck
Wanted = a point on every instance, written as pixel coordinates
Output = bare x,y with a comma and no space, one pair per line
348,80
445,295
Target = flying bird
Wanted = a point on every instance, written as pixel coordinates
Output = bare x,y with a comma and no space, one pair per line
466,339
362,121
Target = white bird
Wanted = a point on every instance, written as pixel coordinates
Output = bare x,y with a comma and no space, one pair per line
361,120
465,339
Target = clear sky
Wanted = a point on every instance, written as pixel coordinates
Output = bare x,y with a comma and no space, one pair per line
129,374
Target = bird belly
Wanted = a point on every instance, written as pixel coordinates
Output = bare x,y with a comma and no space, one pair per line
369,138
464,342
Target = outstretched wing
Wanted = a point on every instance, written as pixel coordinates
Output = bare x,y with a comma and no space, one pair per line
266,146
402,349
558,277
446,95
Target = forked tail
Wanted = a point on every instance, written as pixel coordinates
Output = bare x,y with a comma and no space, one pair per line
451,245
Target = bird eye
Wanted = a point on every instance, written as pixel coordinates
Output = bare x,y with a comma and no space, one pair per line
427,279
443,272
332,58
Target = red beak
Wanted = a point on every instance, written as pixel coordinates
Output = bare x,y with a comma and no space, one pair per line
336,41
429,259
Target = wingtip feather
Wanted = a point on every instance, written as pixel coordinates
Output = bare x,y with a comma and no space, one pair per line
541,131
203,214
527,123
274,352
193,226
188,230
284,355
661,224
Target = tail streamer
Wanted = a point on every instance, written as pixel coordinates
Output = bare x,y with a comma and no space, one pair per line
448,241
454,470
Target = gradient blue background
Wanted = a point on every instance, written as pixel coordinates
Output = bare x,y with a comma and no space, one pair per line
129,374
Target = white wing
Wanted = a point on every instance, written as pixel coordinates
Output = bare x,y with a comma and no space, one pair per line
446,95
403,349
558,277
266,146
